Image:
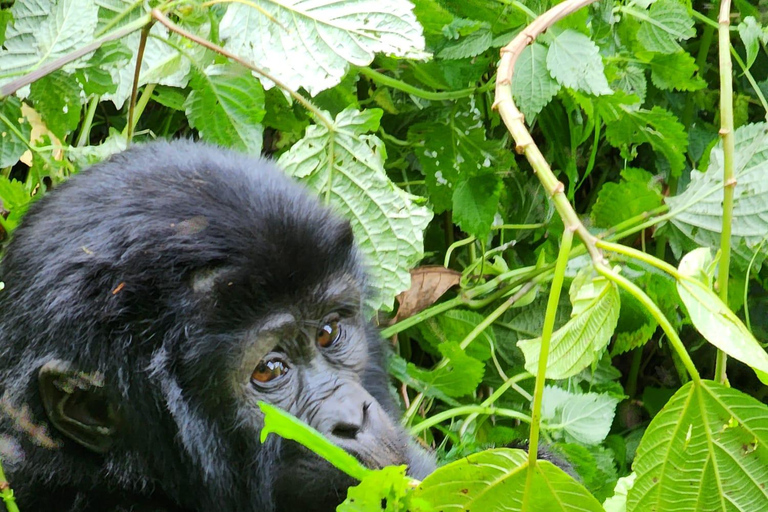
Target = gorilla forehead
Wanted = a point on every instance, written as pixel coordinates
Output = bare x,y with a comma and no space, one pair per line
184,208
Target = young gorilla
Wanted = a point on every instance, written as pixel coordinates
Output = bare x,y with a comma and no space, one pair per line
150,302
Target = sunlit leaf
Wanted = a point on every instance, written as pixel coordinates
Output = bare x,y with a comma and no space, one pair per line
707,450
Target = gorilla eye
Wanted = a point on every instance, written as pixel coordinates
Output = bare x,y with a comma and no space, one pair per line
328,334
269,370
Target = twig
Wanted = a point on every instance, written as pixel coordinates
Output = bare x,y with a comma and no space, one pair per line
15,85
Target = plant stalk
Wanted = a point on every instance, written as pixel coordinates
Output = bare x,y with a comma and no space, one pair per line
541,372
729,183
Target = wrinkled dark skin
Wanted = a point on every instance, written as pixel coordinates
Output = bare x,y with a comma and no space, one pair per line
150,303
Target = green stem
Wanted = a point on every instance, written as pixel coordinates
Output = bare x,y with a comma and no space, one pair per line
729,183
421,316
421,93
135,88
518,226
467,409
541,373
705,42
634,372
7,493
488,402
758,251
640,255
456,245
656,313
85,131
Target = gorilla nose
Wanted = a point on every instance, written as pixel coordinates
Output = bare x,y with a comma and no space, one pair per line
352,422
349,426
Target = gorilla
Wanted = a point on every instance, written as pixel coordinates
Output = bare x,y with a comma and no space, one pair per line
150,302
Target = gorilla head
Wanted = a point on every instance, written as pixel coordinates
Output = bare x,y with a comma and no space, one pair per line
150,302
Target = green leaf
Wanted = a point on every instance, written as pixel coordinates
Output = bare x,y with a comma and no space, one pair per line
628,126
675,71
494,481
455,325
618,502
574,60
311,45
289,427
532,85
383,490
44,30
698,214
458,377
706,450
454,148
468,46
750,33
226,106
94,77
637,193
581,341
57,98
15,131
629,79
475,203
349,174
667,23
162,63
398,368
712,318
14,199
584,418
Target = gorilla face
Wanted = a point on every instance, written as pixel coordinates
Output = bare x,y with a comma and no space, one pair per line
150,303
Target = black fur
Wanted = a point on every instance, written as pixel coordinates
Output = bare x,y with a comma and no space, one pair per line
101,272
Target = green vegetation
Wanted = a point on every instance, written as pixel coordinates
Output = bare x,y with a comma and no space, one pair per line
642,197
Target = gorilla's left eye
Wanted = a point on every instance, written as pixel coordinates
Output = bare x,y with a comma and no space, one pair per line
328,334
269,370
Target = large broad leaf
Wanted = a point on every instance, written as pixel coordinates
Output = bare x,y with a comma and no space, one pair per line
707,450
310,44
698,211
712,318
581,341
494,481
44,30
346,167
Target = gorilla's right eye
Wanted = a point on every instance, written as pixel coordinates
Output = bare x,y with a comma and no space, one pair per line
268,370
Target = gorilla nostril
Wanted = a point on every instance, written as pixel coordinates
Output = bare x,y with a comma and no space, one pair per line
345,431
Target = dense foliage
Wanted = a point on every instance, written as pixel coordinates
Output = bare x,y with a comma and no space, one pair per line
387,110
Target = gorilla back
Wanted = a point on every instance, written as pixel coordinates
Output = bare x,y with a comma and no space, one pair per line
150,302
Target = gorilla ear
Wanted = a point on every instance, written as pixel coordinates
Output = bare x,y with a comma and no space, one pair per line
77,406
